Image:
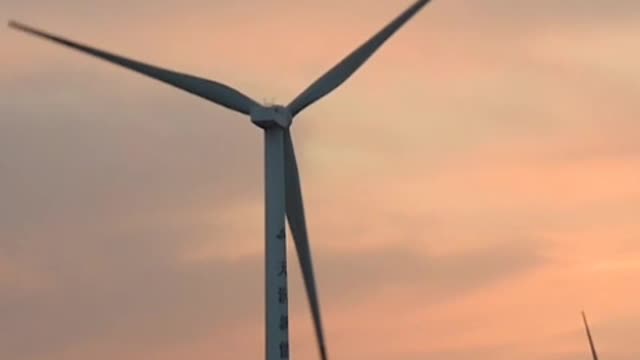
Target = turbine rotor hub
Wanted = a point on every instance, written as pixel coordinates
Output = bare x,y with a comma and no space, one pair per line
271,116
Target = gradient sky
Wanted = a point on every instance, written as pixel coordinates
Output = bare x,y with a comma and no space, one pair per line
469,191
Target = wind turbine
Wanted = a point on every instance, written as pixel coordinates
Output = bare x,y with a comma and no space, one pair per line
591,345
283,195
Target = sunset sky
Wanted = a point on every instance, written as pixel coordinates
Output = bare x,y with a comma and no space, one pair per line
469,191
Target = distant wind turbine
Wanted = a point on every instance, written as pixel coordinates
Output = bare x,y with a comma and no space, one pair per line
283,195
591,345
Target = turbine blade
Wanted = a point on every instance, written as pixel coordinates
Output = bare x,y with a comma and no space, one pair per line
297,224
216,92
591,345
343,70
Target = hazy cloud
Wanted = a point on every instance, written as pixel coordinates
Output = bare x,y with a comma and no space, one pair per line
131,213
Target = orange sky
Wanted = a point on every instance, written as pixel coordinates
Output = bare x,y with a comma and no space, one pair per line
469,191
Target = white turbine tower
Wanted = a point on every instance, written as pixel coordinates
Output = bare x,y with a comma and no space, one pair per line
594,354
283,194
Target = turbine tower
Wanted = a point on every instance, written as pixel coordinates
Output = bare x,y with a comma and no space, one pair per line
283,194
591,345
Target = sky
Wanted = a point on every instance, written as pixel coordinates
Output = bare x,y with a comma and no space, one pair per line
469,191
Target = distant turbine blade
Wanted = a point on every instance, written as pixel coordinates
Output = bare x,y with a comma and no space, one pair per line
593,347
343,70
216,92
297,224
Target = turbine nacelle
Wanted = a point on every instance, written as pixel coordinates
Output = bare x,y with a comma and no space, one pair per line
271,116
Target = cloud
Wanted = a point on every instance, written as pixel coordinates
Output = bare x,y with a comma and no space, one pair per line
131,213
592,11
114,283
